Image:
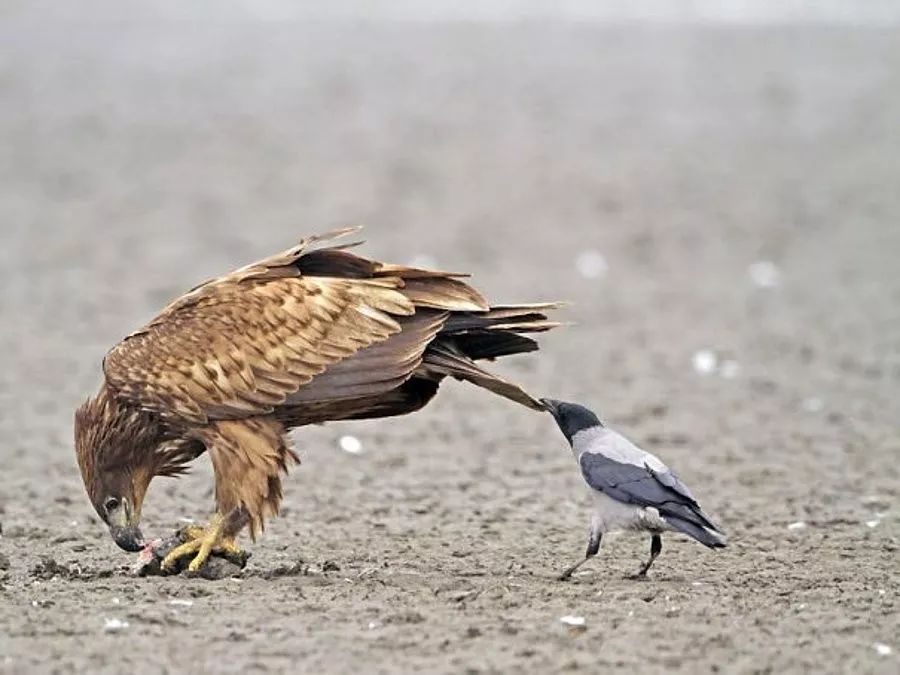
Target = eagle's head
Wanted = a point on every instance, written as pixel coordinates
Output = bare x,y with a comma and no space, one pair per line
115,446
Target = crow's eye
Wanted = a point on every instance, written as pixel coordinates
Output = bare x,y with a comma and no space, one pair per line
111,504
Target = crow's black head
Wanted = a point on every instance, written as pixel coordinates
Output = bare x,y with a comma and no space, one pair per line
571,417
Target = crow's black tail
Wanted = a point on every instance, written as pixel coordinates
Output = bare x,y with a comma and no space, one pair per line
705,535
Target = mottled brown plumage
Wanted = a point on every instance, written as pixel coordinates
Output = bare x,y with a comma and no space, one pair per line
305,336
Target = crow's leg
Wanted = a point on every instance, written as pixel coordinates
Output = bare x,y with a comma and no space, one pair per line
592,548
655,550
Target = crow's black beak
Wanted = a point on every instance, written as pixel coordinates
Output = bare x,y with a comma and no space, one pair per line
550,405
128,538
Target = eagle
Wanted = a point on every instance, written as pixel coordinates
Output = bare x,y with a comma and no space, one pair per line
314,334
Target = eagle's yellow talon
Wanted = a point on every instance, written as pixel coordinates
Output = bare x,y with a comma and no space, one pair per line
192,532
198,561
202,542
228,546
206,547
179,552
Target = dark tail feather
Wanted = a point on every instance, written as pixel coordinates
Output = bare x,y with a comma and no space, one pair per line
706,536
442,359
489,344
468,336
499,331
520,318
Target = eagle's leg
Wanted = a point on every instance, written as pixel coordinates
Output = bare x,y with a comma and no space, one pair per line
218,537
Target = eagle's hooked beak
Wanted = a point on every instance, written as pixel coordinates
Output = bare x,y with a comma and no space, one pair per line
123,527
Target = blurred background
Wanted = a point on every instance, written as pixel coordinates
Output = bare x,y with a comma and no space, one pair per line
714,185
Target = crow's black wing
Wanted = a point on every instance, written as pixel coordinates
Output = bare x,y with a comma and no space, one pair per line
641,486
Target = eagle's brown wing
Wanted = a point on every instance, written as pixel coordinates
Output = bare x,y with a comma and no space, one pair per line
241,345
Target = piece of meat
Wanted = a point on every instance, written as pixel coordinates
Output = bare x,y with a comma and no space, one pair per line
219,566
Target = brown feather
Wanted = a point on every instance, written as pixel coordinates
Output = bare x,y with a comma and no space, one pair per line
441,360
248,457
378,368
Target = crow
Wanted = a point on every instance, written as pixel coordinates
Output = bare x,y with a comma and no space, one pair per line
631,488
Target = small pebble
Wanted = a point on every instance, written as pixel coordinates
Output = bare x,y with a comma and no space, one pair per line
883,649
704,361
181,603
350,444
799,525
571,620
872,523
114,625
764,274
591,264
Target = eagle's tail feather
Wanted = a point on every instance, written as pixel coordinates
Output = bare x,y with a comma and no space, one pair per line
499,331
443,359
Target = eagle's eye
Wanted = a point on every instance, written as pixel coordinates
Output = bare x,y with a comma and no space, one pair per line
111,504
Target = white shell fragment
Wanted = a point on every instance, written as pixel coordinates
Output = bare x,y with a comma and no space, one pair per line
764,274
872,523
705,361
799,525
883,649
350,444
114,625
573,621
591,264
177,602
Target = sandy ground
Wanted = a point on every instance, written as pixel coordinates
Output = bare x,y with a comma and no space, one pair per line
139,158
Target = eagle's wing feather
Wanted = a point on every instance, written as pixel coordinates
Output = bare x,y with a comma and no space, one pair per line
378,368
243,347
275,332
